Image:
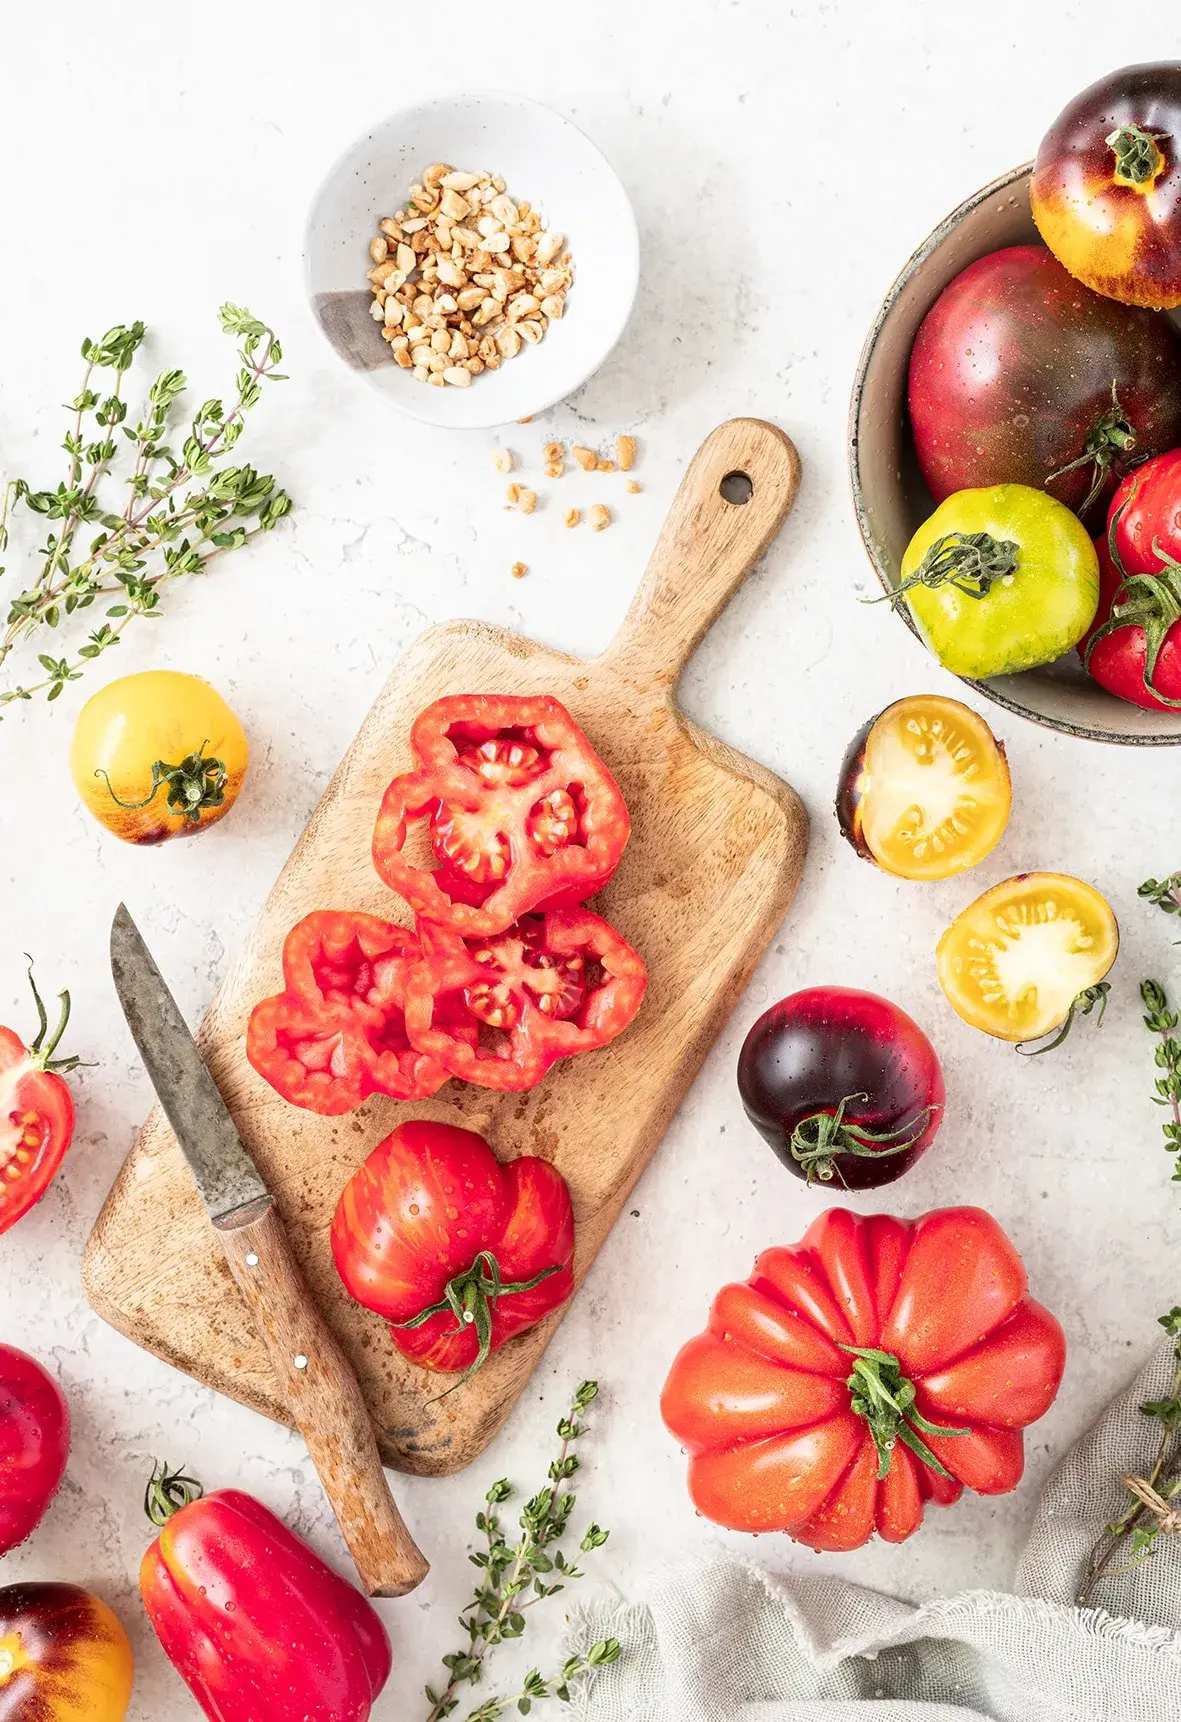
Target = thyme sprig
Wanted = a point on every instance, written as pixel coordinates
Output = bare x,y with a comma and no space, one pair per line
161,514
514,1579
1163,1022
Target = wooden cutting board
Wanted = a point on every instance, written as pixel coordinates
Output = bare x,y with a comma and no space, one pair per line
715,855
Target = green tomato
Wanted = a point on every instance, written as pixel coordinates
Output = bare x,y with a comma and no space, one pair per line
999,580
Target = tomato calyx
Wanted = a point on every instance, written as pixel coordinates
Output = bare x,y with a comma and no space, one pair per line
1082,1004
1110,439
471,1297
41,1050
1138,160
972,562
167,1492
817,1141
882,1395
1148,601
195,785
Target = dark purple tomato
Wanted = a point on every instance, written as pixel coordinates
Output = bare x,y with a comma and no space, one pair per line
844,1086
1021,375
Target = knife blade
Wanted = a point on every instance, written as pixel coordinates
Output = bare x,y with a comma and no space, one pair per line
322,1391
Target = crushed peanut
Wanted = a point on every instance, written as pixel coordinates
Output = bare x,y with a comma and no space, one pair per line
586,457
573,516
599,516
466,276
527,500
513,495
553,452
502,460
519,570
625,452
633,487
604,466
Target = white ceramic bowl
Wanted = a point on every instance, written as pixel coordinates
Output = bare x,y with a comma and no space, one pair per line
542,157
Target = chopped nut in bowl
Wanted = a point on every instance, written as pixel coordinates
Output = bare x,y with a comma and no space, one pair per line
474,258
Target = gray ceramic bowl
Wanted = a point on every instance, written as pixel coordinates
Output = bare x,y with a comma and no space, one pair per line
890,498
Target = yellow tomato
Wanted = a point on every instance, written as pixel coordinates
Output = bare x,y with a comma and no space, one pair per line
924,789
158,755
1023,957
63,1656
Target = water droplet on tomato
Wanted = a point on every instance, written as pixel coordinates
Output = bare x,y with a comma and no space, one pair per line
414,1208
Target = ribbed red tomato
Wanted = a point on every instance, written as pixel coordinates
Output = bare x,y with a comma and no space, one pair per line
456,1250
1134,648
877,1365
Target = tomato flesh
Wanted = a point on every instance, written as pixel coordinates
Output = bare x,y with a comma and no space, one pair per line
1015,960
925,790
36,1128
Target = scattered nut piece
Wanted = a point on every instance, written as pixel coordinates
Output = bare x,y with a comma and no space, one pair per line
573,516
633,487
553,452
586,457
599,516
502,458
519,570
554,469
604,466
513,494
625,452
527,501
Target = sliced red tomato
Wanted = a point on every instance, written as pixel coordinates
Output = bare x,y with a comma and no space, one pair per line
36,1113
1134,648
499,1011
338,1032
458,1252
518,811
877,1365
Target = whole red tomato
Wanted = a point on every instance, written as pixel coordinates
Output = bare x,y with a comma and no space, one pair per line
877,1365
258,1627
34,1444
36,1112
457,1251
1134,648
1020,375
843,1085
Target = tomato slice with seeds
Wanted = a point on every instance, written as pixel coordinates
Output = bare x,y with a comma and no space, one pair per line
925,790
518,810
337,1034
1021,957
499,1012
36,1113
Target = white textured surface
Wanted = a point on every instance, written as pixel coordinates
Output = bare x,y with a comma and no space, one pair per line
783,162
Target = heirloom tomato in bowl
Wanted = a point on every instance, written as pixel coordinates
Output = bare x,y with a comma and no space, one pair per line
1134,648
1106,188
924,791
891,499
844,1086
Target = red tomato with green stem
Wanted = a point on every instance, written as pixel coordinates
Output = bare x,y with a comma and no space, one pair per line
519,811
875,1366
1134,648
843,1085
251,1618
457,1251
36,1111
34,1444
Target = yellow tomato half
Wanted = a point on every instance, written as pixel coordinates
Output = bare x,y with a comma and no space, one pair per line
158,755
1016,960
924,789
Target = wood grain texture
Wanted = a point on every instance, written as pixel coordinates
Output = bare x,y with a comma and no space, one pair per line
324,1399
716,852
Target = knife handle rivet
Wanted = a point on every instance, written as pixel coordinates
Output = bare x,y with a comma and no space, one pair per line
300,1361
252,1260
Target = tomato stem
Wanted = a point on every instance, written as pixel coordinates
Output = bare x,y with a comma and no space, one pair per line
167,1492
818,1139
471,1297
1111,436
972,562
41,1055
1137,158
1148,601
883,1396
194,785
1082,1004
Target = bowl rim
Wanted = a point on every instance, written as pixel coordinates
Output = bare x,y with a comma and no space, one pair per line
627,257
1064,726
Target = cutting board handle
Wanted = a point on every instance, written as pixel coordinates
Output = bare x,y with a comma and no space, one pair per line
707,546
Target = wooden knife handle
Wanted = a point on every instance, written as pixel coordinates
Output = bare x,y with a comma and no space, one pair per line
325,1399
709,543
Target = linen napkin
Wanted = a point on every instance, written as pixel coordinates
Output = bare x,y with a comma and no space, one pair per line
727,1642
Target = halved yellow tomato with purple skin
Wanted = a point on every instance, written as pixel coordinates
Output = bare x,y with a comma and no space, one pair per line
1022,957
925,790
1106,186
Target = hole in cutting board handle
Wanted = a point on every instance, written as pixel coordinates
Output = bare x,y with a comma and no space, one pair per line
736,488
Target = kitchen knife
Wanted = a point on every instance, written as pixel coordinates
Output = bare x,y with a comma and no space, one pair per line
322,1392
